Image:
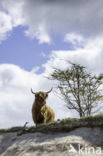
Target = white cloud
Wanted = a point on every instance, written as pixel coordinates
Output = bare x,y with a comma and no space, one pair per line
40,34
5,25
46,16
75,39
10,16
14,10
35,69
81,17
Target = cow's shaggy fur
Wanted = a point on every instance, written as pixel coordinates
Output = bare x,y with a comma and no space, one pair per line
41,113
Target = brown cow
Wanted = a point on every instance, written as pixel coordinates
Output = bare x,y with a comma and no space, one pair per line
41,113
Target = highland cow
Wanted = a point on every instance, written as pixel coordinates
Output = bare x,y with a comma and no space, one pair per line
41,113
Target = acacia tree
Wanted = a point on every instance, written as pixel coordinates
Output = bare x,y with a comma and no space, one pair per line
80,89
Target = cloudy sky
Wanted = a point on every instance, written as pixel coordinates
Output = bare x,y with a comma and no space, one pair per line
37,35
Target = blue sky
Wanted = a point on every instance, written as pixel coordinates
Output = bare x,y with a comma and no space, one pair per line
27,53
36,35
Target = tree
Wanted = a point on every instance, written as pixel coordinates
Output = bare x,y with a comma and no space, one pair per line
81,90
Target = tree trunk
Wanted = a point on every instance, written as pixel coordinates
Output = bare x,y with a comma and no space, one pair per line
80,114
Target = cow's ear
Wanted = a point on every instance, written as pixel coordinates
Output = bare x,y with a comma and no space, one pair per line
46,95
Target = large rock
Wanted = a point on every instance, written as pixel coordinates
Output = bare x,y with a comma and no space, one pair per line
79,142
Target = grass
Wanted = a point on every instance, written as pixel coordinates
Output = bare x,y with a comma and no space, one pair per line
64,125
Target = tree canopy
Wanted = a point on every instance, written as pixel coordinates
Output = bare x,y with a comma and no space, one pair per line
81,90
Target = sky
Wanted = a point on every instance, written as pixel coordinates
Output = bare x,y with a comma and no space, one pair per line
35,37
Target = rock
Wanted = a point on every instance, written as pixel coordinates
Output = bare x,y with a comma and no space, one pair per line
79,142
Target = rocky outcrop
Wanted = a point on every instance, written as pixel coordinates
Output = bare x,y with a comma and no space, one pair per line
68,137
79,142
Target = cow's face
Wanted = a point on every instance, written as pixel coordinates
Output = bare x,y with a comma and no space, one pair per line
41,96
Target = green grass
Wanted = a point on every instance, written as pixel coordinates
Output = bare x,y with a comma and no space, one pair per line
64,125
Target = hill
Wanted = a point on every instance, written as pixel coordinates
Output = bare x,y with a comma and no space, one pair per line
82,136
